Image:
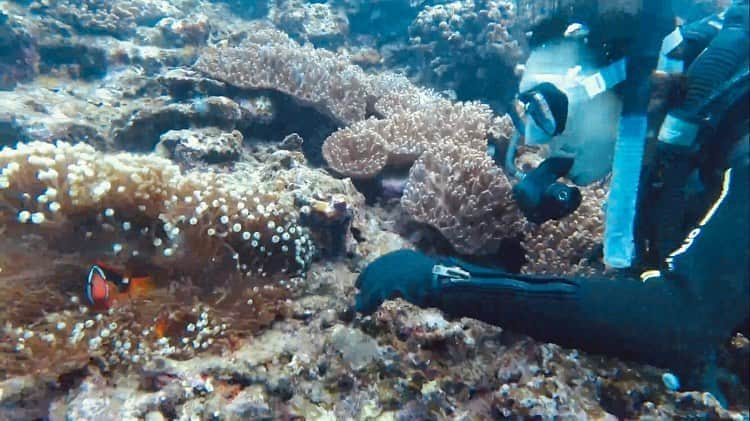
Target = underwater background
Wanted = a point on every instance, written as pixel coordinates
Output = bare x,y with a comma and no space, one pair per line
230,167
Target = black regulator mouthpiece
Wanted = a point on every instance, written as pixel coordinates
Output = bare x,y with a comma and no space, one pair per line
541,197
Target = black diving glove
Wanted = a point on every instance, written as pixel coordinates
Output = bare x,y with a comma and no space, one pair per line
403,273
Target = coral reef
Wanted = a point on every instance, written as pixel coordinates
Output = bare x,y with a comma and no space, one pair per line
19,59
319,23
403,362
210,145
116,18
237,257
470,46
572,245
225,256
413,121
454,186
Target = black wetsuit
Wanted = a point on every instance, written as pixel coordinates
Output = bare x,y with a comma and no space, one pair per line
675,318
672,320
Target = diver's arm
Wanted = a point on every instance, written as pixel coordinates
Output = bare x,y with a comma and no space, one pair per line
670,317
651,322
667,318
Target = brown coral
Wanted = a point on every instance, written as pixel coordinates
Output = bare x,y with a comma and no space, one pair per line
268,59
358,150
454,186
132,205
563,247
413,121
463,194
218,240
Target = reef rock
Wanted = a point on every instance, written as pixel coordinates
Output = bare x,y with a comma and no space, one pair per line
318,23
192,146
19,59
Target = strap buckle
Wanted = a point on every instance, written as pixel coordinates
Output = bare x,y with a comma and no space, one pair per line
446,274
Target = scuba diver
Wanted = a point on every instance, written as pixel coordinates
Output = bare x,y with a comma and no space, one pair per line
678,311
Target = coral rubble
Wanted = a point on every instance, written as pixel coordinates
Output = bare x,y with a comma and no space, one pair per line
208,145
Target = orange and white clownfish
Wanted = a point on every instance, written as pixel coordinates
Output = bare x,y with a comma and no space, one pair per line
98,289
106,285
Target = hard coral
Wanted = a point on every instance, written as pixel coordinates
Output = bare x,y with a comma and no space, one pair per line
116,18
315,22
470,46
480,27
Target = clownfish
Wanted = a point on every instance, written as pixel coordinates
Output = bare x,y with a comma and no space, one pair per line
106,285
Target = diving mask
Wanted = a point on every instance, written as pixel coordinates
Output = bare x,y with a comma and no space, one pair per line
546,108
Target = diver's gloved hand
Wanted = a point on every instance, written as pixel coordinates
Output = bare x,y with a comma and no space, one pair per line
403,273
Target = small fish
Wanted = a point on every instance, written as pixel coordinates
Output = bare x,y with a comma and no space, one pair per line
576,30
671,382
105,286
98,288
